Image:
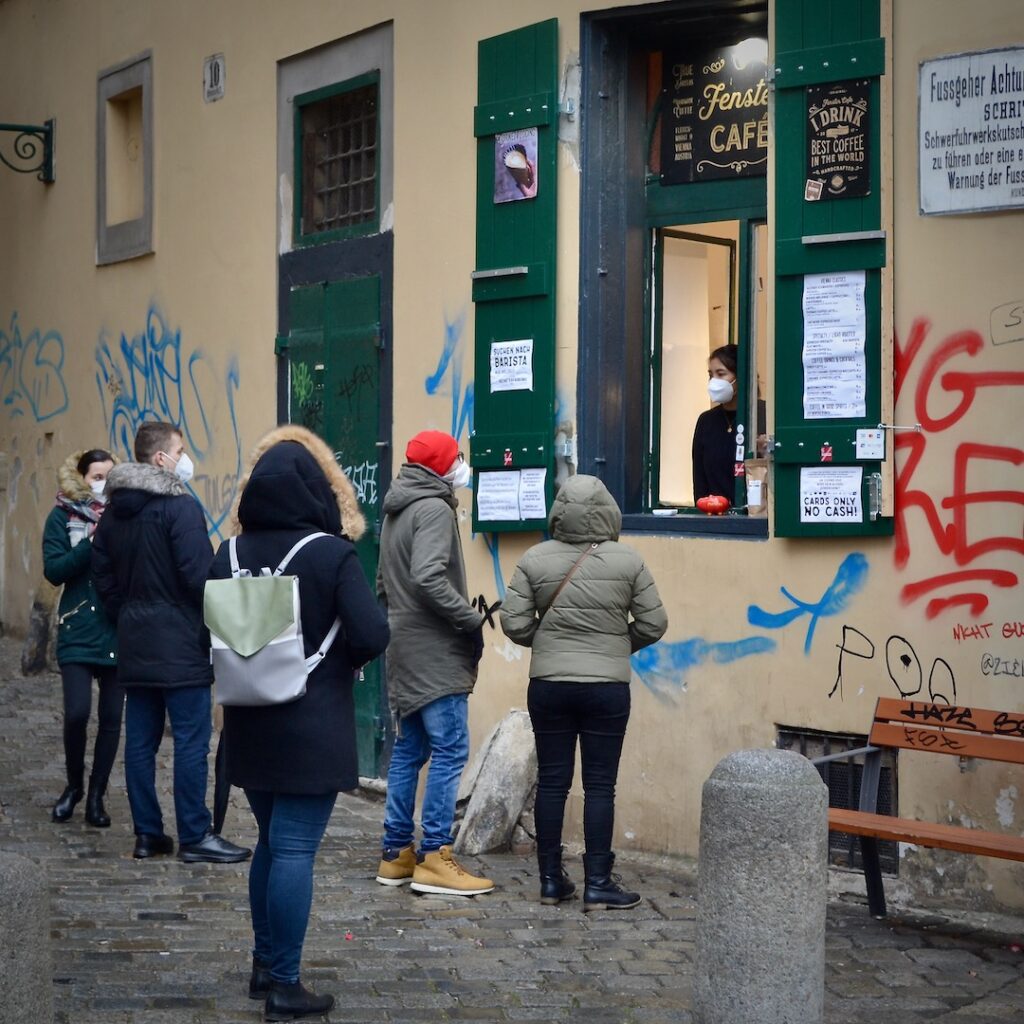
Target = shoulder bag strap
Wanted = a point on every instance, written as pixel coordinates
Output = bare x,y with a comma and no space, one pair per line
569,575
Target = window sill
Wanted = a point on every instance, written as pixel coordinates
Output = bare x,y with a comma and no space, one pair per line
697,525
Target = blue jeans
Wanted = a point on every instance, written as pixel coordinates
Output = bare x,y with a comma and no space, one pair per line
281,875
595,715
437,733
188,708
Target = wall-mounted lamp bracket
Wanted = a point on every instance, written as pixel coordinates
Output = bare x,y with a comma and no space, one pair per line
32,149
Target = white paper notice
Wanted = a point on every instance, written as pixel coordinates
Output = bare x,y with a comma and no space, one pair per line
830,495
511,495
512,365
531,494
835,329
497,496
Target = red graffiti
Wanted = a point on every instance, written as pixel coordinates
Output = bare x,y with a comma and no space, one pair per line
948,518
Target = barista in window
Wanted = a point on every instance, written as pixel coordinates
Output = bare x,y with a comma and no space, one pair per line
714,436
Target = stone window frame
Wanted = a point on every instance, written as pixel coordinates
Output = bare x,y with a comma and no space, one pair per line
132,238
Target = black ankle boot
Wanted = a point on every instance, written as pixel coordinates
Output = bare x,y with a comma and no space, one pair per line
95,813
555,884
602,890
293,1002
259,980
66,803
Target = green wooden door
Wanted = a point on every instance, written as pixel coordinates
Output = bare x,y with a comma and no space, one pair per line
334,353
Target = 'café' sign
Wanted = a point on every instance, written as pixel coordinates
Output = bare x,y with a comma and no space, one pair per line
715,114
838,117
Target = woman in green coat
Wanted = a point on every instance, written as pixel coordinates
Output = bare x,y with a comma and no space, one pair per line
86,638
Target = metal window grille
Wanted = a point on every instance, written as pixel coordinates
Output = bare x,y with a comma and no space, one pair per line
339,161
843,781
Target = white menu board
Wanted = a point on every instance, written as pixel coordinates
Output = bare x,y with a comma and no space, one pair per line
971,132
831,495
835,329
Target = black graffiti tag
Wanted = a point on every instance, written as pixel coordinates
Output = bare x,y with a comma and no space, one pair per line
487,610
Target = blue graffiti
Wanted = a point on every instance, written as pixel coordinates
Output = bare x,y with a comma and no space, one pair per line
32,372
849,580
450,364
146,376
661,667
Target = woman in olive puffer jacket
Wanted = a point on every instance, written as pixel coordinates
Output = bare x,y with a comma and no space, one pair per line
584,602
86,638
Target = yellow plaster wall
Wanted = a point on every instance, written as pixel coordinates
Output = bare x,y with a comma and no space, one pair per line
719,682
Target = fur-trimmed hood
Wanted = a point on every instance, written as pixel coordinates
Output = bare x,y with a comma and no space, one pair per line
70,481
142,476
254,492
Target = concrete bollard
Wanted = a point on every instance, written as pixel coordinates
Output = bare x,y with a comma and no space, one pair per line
26,962
762,891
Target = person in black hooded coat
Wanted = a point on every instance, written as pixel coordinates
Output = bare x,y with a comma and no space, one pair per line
292,759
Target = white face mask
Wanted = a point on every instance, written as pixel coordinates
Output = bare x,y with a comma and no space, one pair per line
460,476
96,486
721,390
183,468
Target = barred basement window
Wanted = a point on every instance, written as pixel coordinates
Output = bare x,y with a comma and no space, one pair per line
337,146
843,781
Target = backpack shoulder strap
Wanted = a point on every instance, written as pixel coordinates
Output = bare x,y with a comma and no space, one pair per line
296,548
233,554
314,659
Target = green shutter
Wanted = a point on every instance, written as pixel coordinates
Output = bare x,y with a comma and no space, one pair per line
829,41
514,281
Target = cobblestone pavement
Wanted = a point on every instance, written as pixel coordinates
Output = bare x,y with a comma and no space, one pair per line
160,941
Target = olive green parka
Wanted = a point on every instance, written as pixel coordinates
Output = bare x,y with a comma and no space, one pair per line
421,578
608,609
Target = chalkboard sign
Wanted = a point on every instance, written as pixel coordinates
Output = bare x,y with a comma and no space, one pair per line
715,114
838,119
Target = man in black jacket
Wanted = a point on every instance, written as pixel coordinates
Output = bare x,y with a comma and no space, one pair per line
149,565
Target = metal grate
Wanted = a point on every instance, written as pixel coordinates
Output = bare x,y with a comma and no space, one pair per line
339,161
843,781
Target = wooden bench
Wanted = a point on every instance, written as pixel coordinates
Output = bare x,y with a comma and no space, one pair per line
935,729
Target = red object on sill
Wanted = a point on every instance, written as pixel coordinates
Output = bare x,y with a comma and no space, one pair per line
713,504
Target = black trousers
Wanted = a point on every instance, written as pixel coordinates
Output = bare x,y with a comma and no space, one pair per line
77,680
595,715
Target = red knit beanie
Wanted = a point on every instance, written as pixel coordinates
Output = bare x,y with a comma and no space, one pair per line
434,449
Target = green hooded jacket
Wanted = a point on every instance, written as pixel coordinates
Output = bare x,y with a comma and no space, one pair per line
609,609
421,578
85,636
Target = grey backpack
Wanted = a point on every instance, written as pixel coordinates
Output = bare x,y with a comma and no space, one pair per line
255,625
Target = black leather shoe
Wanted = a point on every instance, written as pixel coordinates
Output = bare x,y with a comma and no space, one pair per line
259,980
66,803
152,846
95,813
293,1002
213,849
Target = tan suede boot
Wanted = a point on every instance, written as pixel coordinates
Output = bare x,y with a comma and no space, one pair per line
440,872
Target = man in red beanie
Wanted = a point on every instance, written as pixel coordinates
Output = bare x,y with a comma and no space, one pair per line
436,645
